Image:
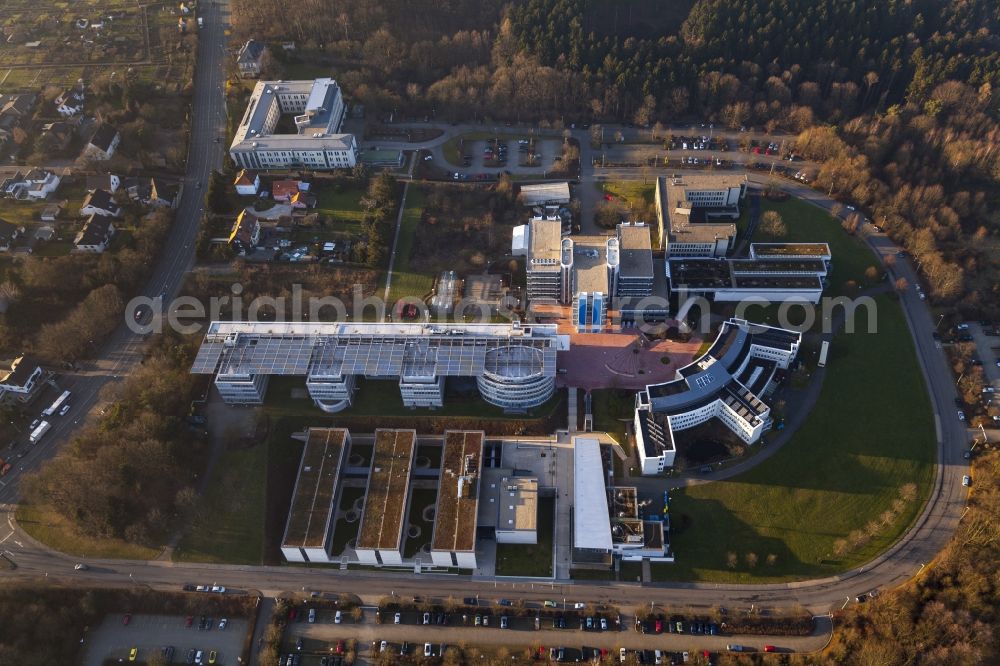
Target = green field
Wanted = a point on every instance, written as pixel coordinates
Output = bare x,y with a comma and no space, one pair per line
530,560
406,282
871,433
229,525
51,529
808,224
610,406
340,205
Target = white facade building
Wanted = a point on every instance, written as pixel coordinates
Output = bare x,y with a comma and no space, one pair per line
692,213
319,111
727,383
514,365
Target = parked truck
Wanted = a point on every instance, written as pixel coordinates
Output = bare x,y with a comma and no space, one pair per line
39,432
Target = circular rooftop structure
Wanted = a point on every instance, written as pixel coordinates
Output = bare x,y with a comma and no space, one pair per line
513,378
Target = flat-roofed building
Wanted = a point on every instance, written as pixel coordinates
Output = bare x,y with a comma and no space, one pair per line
514,366
549,265
380,536
791,251
544,194
729,382
318,110
775,280
591,520
694,213
456,515
630,261
517,510
312,516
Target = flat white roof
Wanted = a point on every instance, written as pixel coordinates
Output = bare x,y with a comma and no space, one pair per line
532,195
591,520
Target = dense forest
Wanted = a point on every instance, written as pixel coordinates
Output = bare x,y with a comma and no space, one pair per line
897,98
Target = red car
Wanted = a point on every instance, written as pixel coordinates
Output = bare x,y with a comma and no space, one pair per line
608,197
340,646
659,626
292,614
189,621
770,648
126,618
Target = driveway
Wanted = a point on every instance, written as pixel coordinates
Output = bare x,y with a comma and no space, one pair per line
151,633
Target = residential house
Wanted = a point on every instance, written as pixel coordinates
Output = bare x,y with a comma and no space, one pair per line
60,133
245,234
162,193
69,102
137,189
103,143
303,200
10,184
100,202
247,183
96,234
34,185
250,60
107,181
20,380
284,190
39,184
15,111
51,212
9,232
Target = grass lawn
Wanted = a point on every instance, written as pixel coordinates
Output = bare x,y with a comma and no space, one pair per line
342,205
229,526
406,282
610,406
530,560
809,224
629,190
871,432
49,528
422,498
344,531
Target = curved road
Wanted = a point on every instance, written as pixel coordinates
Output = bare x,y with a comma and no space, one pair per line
36,561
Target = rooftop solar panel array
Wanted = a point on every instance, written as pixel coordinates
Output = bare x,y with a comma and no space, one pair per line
378,354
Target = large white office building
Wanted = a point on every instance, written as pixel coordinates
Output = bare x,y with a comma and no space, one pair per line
695,213
728,382
317,108
514,365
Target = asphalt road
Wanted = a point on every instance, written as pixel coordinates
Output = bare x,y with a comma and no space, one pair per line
35,561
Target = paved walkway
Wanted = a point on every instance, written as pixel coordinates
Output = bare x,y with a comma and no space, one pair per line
395,243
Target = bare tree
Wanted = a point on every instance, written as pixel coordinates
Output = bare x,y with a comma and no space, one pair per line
731,560
751,560
773,225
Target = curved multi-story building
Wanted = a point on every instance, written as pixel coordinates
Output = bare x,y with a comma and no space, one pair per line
727,382
515,365
515,378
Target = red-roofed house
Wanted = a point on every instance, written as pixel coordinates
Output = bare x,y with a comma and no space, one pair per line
284,190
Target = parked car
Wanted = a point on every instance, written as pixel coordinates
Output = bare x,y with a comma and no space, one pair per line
126,618
397,618
223,623
428,650
337,617
427,618
966,480
133,653
312,615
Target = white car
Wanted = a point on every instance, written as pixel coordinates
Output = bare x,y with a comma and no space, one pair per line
223,623
65,410
428,650
397,618
578,605
312,616
961,415
966,480
337,618
382,646
850,207
219,589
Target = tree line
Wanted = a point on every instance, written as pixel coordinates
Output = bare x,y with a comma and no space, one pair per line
130,474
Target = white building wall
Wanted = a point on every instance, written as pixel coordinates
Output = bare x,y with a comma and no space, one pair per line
242,389
366,556
517,536
317,554
466,559
391,556
292,554
441,558
422,394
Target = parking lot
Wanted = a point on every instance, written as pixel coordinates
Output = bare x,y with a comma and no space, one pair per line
113,639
